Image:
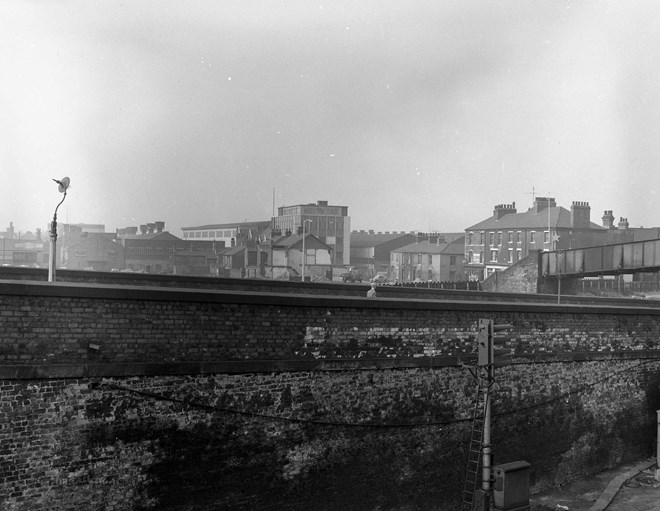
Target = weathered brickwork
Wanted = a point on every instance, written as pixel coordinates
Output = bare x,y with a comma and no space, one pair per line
580,395
60,329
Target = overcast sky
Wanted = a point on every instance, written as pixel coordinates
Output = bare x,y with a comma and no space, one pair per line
416,115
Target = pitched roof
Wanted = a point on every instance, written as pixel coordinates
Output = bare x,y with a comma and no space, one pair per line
424,247
243,225
94,238
164,235
531,219
232,250
366,239
288,242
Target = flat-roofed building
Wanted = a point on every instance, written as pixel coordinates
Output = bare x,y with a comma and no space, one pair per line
330,224
232,234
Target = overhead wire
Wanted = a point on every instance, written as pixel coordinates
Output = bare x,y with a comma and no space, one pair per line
411,425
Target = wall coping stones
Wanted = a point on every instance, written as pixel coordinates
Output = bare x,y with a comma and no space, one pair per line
148,293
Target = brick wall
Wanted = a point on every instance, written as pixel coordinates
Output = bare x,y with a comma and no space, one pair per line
143,398
520,277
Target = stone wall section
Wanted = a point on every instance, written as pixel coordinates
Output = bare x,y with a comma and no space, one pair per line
110,399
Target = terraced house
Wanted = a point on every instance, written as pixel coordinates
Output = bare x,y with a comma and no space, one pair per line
508,236
437,259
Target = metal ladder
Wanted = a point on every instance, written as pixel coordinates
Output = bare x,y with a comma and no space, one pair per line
472,476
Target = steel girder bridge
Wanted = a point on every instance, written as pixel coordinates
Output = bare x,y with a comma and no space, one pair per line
616,259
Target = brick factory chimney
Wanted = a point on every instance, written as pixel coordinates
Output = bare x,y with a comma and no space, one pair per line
580,215
608,219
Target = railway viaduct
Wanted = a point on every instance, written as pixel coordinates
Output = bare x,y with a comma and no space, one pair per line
188,395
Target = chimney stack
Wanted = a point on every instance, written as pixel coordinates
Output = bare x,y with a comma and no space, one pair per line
580,215
541,203
623,223
608,219
504,209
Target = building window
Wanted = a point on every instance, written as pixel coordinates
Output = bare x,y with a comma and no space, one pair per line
452,260
482,236
493,256
430,275
481,256
499,238
112,253
510,255
452,275
510,236
430,259
81,253
532,236
185,234
518,255
470,238
419,258
470,256
546,236
518,237
491,238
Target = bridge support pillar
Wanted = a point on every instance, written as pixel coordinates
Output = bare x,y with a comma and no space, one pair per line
551,285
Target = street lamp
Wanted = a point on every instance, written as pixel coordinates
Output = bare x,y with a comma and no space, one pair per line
62,187
304,254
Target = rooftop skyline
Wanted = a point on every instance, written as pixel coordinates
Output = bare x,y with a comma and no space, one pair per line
560,216
416,117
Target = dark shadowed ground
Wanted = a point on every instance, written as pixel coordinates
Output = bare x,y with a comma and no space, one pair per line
631,487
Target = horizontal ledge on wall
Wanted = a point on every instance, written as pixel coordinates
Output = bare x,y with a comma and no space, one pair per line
162,294
118,370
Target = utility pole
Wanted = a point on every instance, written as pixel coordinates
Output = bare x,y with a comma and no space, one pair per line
304,253
558,276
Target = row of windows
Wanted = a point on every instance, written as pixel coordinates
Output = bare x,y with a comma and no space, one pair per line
494,256
208,234
149,250
409,258
83,253
495,238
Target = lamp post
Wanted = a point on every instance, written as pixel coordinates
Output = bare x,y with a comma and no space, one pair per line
62,187
304,254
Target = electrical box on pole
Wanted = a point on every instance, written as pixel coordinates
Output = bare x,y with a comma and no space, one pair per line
485,343
486,353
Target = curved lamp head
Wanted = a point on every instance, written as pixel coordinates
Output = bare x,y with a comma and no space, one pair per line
63,184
